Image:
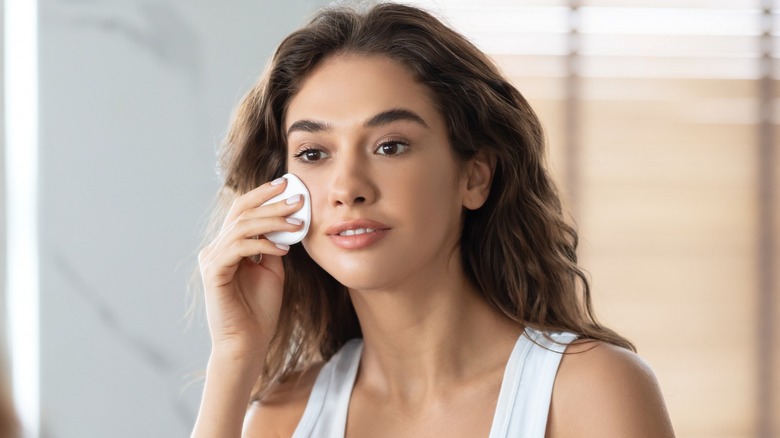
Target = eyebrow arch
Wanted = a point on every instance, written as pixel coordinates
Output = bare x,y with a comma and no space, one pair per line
394,115
383,118
308,126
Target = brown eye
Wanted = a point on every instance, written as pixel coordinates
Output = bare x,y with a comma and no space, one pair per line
310,155
391,148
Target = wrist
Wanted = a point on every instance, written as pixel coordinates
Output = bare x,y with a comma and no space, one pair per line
248,366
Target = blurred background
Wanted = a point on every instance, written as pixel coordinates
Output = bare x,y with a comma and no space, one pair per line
662,118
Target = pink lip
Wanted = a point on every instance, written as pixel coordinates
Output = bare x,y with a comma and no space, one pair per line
356,241
355,224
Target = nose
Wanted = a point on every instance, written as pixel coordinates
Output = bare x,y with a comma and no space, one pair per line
351,183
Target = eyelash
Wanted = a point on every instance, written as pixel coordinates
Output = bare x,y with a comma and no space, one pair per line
303,152
300,154
403,143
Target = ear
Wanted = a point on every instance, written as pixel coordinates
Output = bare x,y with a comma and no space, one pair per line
479,175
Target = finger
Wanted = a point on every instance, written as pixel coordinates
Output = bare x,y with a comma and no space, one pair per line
219,270
255,198
248,229
284,207
269,261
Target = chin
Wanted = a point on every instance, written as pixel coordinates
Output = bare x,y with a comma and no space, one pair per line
364,284
358,274
360,279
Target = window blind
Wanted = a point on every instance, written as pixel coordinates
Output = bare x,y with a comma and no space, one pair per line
662,119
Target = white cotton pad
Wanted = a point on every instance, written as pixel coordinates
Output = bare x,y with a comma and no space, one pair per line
294,187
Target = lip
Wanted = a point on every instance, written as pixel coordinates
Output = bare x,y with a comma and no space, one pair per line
356,241
354,224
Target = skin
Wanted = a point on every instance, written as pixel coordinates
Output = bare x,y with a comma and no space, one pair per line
426,369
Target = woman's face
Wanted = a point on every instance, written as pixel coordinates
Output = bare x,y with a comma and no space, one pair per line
386,188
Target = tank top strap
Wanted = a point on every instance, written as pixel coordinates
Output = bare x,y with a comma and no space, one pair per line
326,411
524,399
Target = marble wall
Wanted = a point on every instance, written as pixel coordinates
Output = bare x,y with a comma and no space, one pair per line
3,341
134,96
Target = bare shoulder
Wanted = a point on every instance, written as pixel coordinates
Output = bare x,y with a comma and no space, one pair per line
602,390
278,413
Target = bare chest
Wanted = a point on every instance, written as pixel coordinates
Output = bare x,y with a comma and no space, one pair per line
464,413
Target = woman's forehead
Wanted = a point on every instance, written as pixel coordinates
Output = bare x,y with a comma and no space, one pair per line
351,89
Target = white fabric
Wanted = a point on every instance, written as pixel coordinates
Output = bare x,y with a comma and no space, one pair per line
523,402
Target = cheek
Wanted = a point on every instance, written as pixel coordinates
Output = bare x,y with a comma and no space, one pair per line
317,194
439,185
433,202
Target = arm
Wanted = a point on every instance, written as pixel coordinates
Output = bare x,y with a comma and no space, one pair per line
225,399
606,391
243,300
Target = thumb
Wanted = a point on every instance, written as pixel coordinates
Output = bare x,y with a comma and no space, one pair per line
274,264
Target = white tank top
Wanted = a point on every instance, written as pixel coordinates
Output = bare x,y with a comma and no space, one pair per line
523,402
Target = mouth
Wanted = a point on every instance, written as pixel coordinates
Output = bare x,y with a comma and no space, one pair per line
357,231
356,234
355,227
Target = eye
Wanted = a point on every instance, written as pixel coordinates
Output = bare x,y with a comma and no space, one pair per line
392,148
310,155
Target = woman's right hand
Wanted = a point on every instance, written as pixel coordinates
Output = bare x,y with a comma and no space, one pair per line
243,298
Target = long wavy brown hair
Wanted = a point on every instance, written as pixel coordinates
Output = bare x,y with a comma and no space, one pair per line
517,249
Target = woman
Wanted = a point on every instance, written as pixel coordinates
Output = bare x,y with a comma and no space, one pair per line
436,292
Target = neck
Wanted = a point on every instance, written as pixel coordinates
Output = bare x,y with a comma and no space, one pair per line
428,334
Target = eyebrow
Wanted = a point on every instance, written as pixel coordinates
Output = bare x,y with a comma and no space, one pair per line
394,115
308,126
383,118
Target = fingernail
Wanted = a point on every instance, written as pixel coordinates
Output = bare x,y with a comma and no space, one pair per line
293,220
294,199
277,181
282,246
